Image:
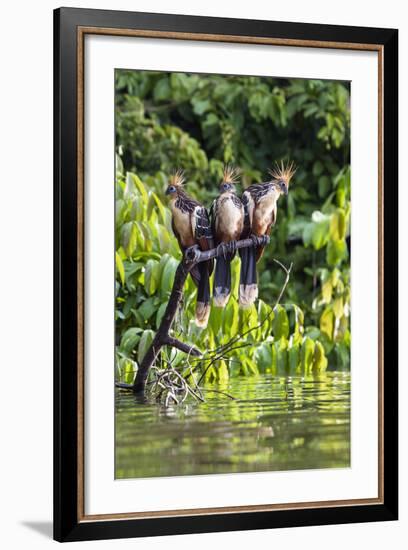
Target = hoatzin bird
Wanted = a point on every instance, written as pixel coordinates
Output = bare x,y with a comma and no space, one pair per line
192,227
228,223
260,204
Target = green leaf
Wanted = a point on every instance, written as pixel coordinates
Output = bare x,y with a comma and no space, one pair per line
324,186
215,320
129,339
280,323
299,320
162,90
317,232
120,267
129,238
327,322
144,344
336,252
338,308
201,106
327,291
167,276
160,313
320,360
281,347
293,359
263,357
147,308
317,168
338,225
307,356
152,276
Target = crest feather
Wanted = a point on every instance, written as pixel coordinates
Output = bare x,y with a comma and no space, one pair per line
283,172
231,174
178,178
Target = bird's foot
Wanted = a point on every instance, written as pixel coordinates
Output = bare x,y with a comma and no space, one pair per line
192,253
222,249
258,241
232,247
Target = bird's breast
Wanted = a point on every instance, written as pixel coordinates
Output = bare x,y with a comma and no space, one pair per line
182,224
229,220
264,214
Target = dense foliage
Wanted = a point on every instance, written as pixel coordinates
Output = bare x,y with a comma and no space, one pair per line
198,122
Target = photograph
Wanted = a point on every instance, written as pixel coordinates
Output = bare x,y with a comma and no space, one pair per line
232,285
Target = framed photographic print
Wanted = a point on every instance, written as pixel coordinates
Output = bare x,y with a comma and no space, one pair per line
225,274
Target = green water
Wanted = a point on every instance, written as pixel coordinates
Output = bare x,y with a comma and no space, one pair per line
274,424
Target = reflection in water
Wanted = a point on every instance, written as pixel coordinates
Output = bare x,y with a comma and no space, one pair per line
274,424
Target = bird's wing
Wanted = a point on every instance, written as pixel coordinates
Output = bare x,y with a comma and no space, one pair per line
201,227
260,249
249,205
213,216
258,190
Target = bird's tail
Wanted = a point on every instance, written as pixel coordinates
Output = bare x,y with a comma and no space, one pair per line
222,280
248,286
203,305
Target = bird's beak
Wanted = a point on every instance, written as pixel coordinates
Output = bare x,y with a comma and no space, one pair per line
284,188
167,192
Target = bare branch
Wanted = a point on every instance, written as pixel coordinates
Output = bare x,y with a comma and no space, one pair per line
287,271
192,256
190,350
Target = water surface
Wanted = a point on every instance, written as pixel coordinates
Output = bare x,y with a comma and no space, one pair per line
274,424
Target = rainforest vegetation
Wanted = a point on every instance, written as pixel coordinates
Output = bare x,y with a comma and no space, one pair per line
166,121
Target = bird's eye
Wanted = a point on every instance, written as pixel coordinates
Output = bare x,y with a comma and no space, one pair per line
225,186
172,189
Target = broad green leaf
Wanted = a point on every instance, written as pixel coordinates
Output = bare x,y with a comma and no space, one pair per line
280,323
307,356
263,357
327,291
281,347
223,375
129,238
162,90
129,339
141,188
152,276
338,309
327,322
320,360
299,320
120,268
293,359
147,309
167,276
336,252
144,344
338,225
215,320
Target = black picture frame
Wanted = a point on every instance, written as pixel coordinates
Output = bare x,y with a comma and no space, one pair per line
67,523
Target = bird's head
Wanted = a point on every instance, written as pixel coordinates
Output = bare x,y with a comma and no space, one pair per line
230,178
175,184
281,176
227,186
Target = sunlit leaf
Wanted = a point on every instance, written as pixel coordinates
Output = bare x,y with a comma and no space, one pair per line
307,356
120,268
327,322
280,323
